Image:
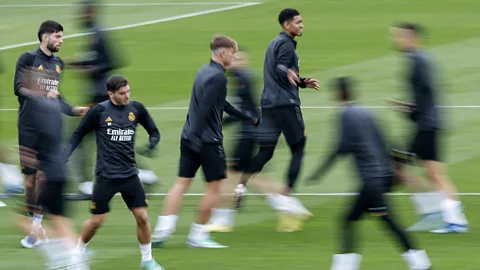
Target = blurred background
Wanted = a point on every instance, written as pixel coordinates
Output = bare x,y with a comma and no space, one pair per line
159,46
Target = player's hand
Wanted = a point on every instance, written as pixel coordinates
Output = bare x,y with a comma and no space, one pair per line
80,111
146,152
293,77
52,94
312,83
256,121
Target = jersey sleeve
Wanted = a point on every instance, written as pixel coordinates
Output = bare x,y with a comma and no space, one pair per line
24,62
89,123
147,122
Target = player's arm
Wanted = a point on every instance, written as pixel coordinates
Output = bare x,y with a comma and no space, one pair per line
284,55
23,75
147,122
89,123
341,147
245,115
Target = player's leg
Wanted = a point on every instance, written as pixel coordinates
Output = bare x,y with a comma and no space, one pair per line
268,132
60,249
222,217
427,201
293,128
135,198
29,162
347,259
103,192
453,217
377,206
214,167
166,223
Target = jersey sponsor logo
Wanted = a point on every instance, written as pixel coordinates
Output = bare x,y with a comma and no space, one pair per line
120,135
58,69
109,121
48,84
131,116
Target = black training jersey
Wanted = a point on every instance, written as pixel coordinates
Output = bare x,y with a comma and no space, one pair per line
36,71
115,128
207,104
421,79
360,136
281,55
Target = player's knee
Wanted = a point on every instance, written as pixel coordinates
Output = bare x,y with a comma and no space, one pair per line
299,147
96,221
141,218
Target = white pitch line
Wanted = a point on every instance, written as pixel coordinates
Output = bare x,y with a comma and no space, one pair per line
334,194
124,5
173,18
303,107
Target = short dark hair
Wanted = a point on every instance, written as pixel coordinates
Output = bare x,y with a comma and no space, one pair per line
415,28
49,27
222,41
343,85
287,15
116,82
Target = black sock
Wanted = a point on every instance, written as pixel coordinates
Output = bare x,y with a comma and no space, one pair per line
399,233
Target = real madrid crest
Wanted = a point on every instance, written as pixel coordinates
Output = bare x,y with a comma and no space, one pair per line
131,116
58,69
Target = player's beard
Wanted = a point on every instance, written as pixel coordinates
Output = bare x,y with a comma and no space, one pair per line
52,48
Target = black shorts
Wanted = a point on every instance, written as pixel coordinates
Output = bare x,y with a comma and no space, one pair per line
50,199
243,155
425,145
104,189
371,198
212,159
27,140
286,120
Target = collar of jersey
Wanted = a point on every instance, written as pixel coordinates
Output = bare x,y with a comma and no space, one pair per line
217,65
289,38
42,54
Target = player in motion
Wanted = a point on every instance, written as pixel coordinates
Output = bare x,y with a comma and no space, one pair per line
201,145
425,145
281,112
45,67
114,122
360,136
223,216
40,133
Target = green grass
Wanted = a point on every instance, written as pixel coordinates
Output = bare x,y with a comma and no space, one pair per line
341,38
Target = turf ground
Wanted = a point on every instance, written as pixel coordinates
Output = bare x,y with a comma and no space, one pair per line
165,48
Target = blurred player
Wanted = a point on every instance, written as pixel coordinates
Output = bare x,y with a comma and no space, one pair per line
425,114
360,136
281,111
114,122
10,174
42,61
223,217
201,145
96,65
40,134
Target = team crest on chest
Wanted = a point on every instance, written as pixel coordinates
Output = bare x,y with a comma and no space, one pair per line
131,116
58,69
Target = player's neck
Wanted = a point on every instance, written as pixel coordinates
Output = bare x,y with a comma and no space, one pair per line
289,34
45,50
217,59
